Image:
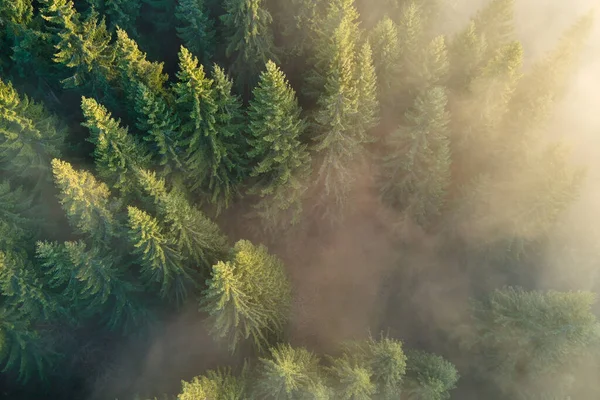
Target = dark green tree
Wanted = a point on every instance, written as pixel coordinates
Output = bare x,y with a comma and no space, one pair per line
281,161
17,227
117,153
196,29
119,13
289,374
415,174
385,42
196,236
429,377
249,39
211,130
247,297
530,341
161,127
161,262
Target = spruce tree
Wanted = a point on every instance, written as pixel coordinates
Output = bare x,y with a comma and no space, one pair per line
339,140
249,39
159,14
386,59
415,173
366,85
161,127
29,136
161,262
288,374
467,52
134,68
529,342
281,161
83,47
210,116
351,378
86,202
298,23
214,384
495,22
117,153
411,33
196,29
387,361
429,376
196,236
92,283
247,297
24,349
120,13
17,227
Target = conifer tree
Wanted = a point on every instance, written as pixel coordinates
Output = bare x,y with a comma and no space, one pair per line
386,59
339,140
210,115
196,29
351,378
416,171
22,289
495,22
298,23
281,161
411,38
429,376
288,374
214,384
467,52
117,153
366,85
86,202
29,136
160,14
92,283
248,296
529,340
388,363
161,262
83,47
120,13
247,27
134,69
161,126
196,236
24,349
16,225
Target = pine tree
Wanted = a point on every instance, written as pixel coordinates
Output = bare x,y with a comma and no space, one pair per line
288,374
528,341
366,85
247,27
386,58
338,141
134,69
210,115
196,29
214,384
281,161
248,296
416,172
161,126
29,136
86,202
429,376
83,47
161,263
24,349
116,152
197,237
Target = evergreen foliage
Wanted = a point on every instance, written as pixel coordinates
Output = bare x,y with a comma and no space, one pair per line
281,161
248,296
386,59
214,384
429,376
196,29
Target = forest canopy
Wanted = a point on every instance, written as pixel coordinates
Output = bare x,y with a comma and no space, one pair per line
284,173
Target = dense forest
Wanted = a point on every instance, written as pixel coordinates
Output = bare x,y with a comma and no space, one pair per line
279,180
